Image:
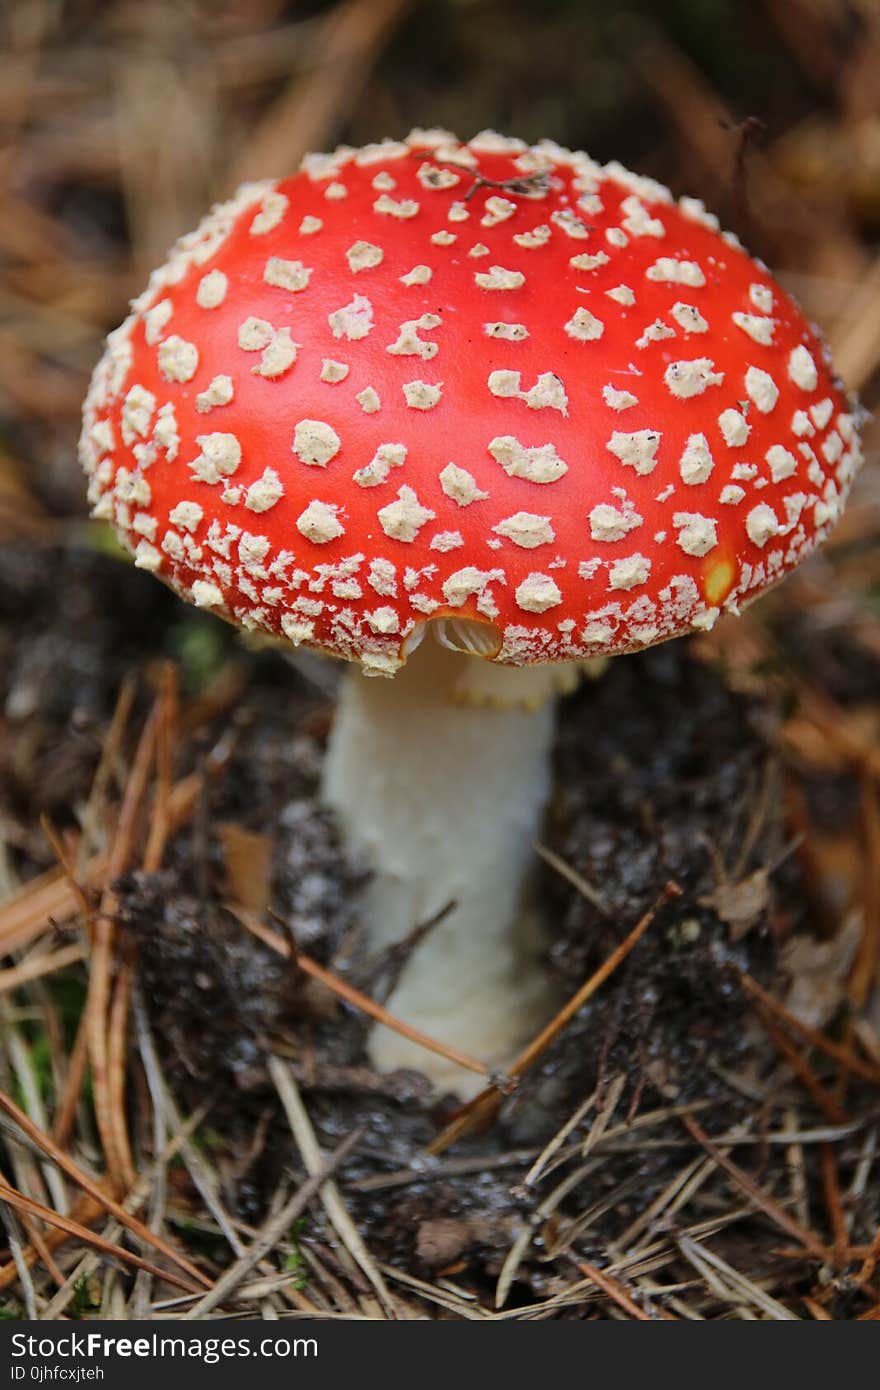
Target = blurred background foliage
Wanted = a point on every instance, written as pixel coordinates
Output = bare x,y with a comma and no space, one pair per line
122,120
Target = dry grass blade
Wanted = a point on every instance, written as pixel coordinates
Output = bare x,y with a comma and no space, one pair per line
802,1069
872,1259
354,996
274,1229
301,1127
555,1144
117,1041
606,1108
29,1180
82,900
767,1204
197,1165
309,110
572,876
614,1290
89,1211
94,1190
73,1084
84,1213
29,1207
19,1264
477,1163
672,1197
166,739
443,1298
37,966
567,1233
836,1214
27,913
483,1107
730,1283
52,898
816,1310
42,1251
539,1045
108,1112
839,1054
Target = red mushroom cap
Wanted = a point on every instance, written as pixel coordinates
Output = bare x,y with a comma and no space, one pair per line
485,381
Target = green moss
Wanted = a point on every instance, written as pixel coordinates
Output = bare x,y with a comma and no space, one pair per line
294,1260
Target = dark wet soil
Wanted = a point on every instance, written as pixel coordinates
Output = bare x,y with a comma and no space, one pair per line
661,773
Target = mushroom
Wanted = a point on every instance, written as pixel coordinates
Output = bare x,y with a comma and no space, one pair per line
497,397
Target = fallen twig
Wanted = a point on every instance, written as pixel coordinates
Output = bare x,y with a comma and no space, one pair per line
484,1106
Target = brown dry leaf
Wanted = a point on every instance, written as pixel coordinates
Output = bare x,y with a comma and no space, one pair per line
741,905
818,971
248,858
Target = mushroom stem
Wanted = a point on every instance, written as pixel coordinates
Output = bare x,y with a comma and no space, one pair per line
444,798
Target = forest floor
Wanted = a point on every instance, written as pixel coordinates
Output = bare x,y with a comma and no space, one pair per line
190,1122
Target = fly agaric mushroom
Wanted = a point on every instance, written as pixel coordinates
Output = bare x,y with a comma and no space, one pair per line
487,394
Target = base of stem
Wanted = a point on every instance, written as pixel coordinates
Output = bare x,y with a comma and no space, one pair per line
445,800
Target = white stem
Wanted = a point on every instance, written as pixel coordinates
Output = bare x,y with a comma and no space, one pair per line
445,799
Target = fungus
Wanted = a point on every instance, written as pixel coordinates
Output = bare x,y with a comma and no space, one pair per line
511,412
